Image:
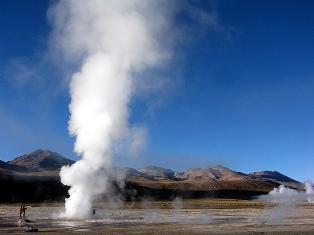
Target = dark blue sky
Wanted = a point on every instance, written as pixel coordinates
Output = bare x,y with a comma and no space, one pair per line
242,91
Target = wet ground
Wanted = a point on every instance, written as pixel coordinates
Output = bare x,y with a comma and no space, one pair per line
189,217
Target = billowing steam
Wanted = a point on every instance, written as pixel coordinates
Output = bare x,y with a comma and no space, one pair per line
284,194
114,42
286,199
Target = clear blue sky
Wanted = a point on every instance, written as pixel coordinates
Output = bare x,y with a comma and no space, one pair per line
243,96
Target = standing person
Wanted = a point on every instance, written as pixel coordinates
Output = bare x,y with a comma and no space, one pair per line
24,209
21,211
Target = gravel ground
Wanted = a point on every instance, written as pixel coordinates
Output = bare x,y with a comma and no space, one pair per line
193,217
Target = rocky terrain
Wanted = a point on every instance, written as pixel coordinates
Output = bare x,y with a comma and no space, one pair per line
35,177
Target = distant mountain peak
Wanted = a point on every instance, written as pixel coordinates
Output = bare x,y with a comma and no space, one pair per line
273,175
212,174
41,160
156,171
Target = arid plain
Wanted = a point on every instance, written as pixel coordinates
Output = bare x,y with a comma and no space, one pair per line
201,216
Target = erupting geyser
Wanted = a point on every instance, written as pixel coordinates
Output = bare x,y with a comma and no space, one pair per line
113,42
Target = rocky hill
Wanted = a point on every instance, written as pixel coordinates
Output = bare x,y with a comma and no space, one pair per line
40,160
212,174
272,175
37,174
158,172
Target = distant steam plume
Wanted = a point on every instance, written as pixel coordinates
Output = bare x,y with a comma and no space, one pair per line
286,200
114,42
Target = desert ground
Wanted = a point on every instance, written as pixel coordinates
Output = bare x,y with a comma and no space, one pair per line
201,216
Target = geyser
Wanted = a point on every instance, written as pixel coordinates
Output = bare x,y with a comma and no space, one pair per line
113,42
286,199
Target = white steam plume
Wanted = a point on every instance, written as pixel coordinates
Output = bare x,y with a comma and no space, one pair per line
286,200
114,41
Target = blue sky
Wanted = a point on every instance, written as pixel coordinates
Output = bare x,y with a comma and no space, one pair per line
241,91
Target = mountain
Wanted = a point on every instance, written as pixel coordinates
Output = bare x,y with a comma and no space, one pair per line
276,177
40,160
212,174
7,168
158,172
272,175
35,177
3,165
4,168
217,181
